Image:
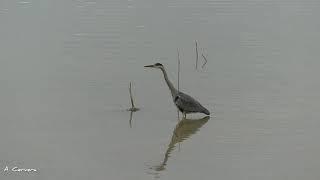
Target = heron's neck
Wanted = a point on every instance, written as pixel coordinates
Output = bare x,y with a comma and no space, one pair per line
170,85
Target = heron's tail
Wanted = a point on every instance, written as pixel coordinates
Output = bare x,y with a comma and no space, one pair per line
205,111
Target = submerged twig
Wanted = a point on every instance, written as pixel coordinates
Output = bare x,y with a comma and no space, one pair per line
133,108
205,60
130,120
197,54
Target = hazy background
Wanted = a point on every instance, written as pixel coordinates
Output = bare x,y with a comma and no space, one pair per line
65,66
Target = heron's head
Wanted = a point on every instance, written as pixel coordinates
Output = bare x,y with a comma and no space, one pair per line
156,65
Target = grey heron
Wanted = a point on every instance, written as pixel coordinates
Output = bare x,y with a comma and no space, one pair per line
185,103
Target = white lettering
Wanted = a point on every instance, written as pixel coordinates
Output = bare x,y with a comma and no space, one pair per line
6,169
16,169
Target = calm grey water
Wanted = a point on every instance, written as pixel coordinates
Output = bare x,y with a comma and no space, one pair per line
65,67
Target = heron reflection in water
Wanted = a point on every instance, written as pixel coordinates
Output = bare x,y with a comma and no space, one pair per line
183,130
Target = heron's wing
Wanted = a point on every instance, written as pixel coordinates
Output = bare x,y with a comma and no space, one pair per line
187,103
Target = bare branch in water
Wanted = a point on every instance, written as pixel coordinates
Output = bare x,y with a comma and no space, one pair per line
197,54
178,76
178,69
132,104
205,60
133,108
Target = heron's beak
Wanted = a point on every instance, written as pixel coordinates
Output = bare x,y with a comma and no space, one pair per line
151,66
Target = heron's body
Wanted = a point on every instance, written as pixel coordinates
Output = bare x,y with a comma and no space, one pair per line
185,103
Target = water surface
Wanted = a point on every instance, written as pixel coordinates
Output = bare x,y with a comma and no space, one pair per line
65,68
